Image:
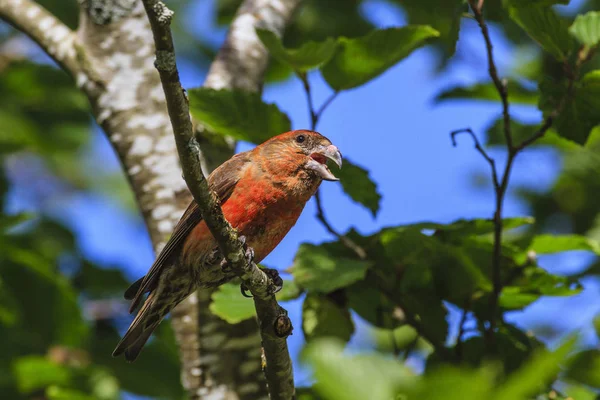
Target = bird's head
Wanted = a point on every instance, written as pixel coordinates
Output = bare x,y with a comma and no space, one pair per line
306,149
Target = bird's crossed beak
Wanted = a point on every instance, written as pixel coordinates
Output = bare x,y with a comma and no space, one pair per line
319,158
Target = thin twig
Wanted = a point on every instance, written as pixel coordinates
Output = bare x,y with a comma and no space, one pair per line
501,185
476,6
275,326
325,104
500,188
480,149
314,117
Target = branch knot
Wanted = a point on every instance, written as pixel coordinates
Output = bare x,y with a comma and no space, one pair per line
163,13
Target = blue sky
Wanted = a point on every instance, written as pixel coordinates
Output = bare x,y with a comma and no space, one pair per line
390,126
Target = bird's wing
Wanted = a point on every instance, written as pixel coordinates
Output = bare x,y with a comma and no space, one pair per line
222,181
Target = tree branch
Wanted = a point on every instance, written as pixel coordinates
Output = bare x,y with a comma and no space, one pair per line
476,6
501,183
315,116
274,324
54,37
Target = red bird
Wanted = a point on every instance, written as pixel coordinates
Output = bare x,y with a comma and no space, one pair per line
262,193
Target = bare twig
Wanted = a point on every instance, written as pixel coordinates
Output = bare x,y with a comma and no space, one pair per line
325,104
274,323
476,6
314,118
480,149
501,183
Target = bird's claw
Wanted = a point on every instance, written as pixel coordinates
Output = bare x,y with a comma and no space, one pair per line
248,251
276,281
275,286
245,291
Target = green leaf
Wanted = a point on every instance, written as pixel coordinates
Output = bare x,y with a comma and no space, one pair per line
156,372
586,28
517,94
429,264
452,383
36,372
535,375
289,291
60,320
368,301
518,3
358,185
579,392
317,269
309,56
393,340
514,347
322,316
359,60
237,113
532,282
549,244
342,377
100,282
546,27
58,393
581,112
462,228
597,325
444,16
585,368
229,304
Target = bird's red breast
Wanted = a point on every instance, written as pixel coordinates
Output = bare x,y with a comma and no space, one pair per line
261,209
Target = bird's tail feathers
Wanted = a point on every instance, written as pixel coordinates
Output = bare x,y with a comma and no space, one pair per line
146,321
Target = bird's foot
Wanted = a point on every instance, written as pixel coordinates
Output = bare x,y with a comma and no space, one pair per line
276,281
245,291
248,252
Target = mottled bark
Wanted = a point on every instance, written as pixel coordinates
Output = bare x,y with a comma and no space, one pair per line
111,57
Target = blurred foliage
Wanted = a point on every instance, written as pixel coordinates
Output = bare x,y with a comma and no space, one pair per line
61,313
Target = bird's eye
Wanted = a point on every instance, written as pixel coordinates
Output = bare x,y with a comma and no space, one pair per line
300,138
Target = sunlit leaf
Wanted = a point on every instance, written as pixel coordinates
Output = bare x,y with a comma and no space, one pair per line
342,377
546,27
357,184
36,372
310,55
323,317
586,28
237,113
229,304
580,111
535,375
444,16
317,269
549,244
359,60
585,368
